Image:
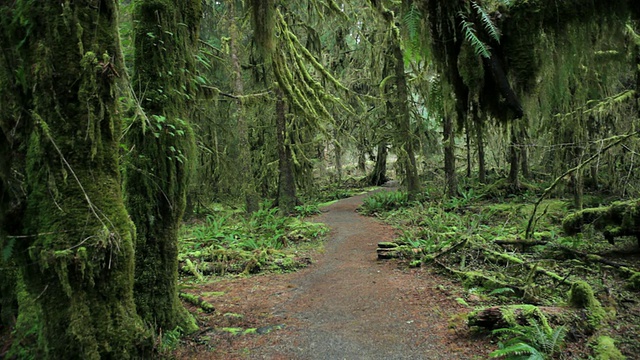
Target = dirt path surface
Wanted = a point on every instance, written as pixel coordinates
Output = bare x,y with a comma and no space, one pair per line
347,305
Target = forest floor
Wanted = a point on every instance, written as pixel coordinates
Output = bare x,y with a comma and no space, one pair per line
346,305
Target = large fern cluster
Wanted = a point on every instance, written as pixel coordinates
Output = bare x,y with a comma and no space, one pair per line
532,342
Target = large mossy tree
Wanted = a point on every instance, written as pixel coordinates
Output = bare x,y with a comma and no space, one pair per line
161,144
75,252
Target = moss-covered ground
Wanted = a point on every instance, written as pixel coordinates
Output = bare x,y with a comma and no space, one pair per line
479,239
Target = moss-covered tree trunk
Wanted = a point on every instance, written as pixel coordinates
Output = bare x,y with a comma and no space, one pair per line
403,117
479,129
77,258
514,159
378,175
449,142
244,160
398,102
162,152
287,197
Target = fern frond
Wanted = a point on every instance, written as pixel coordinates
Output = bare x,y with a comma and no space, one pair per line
480,48
411,22
488,24
518,351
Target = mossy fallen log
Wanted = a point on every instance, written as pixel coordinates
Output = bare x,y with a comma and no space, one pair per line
197,301
621,218
625,270
476,279
497,317
507,258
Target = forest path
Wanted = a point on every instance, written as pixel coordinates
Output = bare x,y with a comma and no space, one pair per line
347,305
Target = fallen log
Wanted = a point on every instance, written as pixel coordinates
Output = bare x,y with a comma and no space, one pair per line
197,301
497,317
386,251
502,257
476,278
621,218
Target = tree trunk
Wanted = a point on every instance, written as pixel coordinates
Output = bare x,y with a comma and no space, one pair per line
338,156
287,198
162,153
379,174
78,262
514,159
245,173
468,143
524,153
449,157
482,172
408,158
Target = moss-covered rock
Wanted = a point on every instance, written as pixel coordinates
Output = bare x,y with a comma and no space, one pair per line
605,349
581,296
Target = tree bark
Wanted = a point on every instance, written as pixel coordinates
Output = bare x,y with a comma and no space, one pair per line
514,159
378,175
287,198
77,260
449,157
482,172
162,152
407,156
245,173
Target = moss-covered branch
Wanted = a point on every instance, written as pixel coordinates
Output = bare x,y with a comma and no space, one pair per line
621,218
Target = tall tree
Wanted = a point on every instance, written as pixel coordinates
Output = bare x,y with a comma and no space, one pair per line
398,102
162,152
76,252
244,159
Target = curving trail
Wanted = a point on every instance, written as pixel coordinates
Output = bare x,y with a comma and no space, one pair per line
348,305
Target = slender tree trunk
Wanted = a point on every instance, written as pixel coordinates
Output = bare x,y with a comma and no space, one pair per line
287,198
524,154
78,260
247,184
482,172
449,157
514,159
338,155
468,144
162,153
379,174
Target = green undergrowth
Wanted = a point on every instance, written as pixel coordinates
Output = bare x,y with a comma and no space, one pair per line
480,241
225,242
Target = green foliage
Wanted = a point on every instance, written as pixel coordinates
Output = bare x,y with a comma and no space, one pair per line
491,28
534,341
605,349
229,242
384,201
170,340
469,32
